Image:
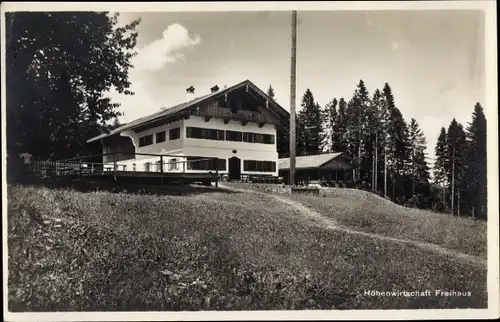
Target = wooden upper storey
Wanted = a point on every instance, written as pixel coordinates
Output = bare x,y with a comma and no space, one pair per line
243,102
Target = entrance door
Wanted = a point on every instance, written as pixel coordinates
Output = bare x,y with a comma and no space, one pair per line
234,168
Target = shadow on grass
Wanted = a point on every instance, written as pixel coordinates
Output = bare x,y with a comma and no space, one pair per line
133,187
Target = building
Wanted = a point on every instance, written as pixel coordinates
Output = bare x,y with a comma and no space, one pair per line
237,125
332,167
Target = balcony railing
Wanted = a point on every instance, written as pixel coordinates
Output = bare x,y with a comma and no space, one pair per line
214,110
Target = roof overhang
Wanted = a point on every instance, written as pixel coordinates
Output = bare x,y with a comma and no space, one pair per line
310,162
181,109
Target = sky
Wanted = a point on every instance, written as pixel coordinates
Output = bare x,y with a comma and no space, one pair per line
433,60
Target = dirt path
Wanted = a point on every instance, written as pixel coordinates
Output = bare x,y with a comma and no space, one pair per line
325,222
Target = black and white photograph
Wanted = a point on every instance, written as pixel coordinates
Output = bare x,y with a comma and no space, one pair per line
194,161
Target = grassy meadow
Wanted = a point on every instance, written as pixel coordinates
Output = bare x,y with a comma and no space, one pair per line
216,250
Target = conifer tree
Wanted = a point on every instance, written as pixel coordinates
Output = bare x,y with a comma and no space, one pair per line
331,135
441,163
389,97
270,92
300,132
419,167
396,145
352,127
456,144
341,125
310,124
379,107
317,131
398,138
476,171
370,137
358,130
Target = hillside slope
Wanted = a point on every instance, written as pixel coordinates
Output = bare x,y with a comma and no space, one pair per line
71,250
367,212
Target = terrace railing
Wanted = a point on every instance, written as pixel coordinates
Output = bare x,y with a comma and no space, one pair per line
155,163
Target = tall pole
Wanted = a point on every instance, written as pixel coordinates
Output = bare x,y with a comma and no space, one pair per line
376,161
359,143
373,167
413,171
293,128
385,171
453,178
444,196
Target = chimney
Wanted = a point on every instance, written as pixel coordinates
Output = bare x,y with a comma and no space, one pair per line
190,93
214,89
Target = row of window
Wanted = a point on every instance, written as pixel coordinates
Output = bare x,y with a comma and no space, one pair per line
173,134
171,165
193,163
200,133
208,134
204,163
221,135
259,166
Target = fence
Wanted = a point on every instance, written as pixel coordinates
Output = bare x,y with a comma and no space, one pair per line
154,163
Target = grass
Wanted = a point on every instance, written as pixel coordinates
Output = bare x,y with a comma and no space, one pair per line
76,251
368,212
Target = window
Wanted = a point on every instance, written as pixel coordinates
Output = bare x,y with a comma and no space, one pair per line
248,137
193,132
208,134
161,137
259,166
146,140
249,165
268,139
172,165
234,136
258,138
221,164
205,163
174,134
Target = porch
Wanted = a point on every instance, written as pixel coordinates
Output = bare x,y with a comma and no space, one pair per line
155,170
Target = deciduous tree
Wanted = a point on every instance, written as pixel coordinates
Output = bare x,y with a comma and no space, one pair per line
59,66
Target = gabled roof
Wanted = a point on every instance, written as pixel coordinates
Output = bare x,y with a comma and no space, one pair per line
180,107
308,161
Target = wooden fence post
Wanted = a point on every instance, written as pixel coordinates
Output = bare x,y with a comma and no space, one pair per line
161,163
80,166
216,172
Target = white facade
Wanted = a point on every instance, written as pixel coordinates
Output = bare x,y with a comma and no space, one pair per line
184,146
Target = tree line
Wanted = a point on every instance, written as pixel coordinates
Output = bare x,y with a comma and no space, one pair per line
389,153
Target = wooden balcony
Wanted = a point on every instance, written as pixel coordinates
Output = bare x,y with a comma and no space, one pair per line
261,117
